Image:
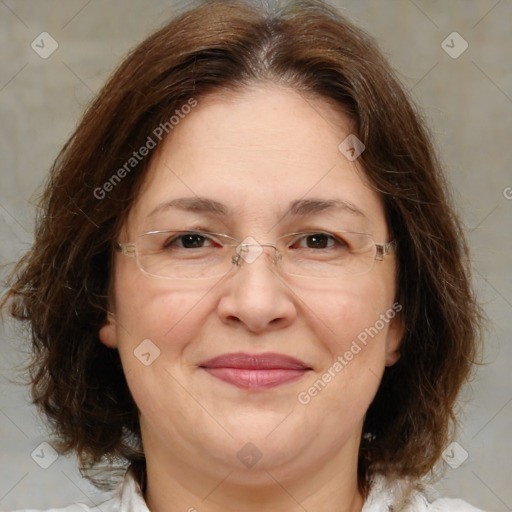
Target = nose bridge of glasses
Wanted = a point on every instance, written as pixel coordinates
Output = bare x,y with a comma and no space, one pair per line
249,250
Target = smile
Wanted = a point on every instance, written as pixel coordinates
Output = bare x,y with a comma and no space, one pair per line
255,371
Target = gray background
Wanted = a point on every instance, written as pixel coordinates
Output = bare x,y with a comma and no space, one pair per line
468,102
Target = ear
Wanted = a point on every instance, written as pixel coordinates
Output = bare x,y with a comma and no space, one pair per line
394,338
108,331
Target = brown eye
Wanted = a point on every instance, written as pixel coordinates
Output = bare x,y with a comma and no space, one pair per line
186,241
192,241
318,241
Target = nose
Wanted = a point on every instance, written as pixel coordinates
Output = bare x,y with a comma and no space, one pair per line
255,295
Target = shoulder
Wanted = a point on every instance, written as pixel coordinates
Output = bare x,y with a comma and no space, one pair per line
113,504
127,497
107,506
402,495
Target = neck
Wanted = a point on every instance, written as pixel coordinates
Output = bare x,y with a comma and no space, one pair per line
331,487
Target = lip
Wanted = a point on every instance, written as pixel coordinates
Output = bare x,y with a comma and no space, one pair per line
255,371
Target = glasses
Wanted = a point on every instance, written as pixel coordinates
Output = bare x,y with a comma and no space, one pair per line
181,255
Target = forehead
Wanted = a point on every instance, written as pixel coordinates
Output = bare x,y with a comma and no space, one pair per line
257,151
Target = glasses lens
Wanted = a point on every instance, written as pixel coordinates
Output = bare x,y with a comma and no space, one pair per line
184,254
327,255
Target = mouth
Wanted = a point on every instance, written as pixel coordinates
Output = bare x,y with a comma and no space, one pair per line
255,371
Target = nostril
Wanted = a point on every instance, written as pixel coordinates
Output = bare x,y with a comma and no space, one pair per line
232,319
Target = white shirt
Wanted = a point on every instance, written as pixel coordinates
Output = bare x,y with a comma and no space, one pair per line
384,496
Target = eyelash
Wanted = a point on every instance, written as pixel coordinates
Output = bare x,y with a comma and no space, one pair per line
332,239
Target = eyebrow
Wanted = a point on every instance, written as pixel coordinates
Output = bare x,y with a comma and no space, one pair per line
300,207
312,206
193,204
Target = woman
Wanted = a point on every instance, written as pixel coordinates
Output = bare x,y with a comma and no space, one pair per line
247,283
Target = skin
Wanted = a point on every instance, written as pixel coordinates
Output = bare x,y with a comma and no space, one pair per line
254,151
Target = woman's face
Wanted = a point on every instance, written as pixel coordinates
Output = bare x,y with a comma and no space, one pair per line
256,153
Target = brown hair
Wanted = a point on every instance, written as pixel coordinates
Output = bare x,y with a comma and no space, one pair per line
60,287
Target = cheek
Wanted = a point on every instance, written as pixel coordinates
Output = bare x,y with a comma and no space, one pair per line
168,316
156,328
350,326
353,341
344,315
